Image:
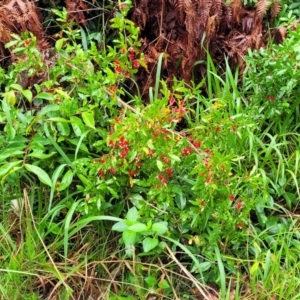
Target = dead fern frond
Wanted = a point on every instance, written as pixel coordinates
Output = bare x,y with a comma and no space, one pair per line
261,8
275,10
76,9
236,6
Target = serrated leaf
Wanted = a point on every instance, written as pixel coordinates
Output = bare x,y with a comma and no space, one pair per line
138,227
66,180
40,173
129,238
149,244
160,227
120,226
88,119
132,215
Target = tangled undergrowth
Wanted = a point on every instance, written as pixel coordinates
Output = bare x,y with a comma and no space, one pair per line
190,194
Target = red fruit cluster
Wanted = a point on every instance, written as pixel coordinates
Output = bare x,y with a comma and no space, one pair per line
162,179
186,151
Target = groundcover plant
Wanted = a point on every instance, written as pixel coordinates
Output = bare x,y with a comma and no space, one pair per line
146,155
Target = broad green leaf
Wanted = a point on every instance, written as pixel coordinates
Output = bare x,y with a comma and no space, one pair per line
10,98
180,200
149,244
159,165
163,284
151,281
40,173
10,153
138,227
88,119
129,237
59,43
27,94
77,125
6,168
16,86
160,227
204,266
120,226
132,215
48,108
66,180
63,128
44,95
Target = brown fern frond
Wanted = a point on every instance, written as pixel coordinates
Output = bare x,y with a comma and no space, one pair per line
217,11
76,9
182,4
236,6
275,10
261,8
203,12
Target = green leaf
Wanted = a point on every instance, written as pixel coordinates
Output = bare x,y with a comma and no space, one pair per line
160,227
254,268
151,281
10,97
129,238
16,86
10,153
204,266
159,165
138,227
12,43
88,119
6,168
66,180
77,125
132,215
40,173
41,155
149,244
27,94
63,128
59,43
11,131
163,284
45,96
47,109
120,226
